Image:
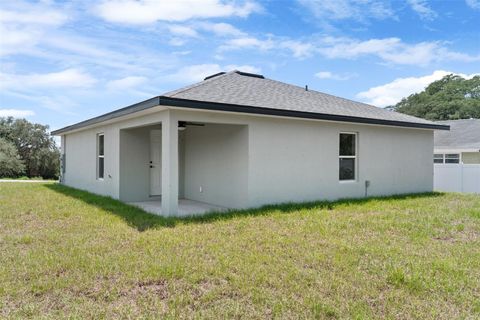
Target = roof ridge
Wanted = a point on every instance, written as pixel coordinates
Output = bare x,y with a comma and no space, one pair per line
195,85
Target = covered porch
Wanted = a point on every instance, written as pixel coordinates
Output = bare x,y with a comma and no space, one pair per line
184,166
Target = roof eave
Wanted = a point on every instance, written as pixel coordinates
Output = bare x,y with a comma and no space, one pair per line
146,104
207,105
216,106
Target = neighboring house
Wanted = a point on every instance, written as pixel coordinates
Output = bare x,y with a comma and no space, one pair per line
457,156
238,140
459,145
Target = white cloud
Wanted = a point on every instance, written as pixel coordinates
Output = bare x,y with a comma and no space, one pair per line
392,92
38,30
390,50
221,29
34,16
422,8
474,4
151,11
348,9
248,43
16,113
183,31
25,26
195,73
126,83
69,78
177,42
333,76
244,68
298,49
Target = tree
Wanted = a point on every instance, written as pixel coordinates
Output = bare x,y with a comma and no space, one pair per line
449,98
11,166
34,145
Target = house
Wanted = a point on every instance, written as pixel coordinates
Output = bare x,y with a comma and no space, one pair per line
457,156
459,145
240,140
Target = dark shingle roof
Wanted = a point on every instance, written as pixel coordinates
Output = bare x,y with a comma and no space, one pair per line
242,92
238,89
463,134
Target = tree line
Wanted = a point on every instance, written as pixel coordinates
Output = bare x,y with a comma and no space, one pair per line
27,149
449,98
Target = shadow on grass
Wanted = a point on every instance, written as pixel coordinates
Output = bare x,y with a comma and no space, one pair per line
141,220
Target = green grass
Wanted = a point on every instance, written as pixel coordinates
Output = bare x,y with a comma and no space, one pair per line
26,178
65,253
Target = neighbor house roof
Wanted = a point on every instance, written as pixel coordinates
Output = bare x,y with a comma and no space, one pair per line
242,92
463,134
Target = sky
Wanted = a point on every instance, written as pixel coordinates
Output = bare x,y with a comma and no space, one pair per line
62,62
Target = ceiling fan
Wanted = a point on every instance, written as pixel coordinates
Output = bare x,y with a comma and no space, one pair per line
182,125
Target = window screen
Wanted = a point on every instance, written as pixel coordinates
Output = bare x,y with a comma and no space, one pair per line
348,156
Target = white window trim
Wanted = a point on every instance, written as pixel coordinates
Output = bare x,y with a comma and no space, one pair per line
443,158
98,156
355,179
64,156
443,154
456,153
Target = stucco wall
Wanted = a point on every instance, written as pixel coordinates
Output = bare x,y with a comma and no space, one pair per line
471,157
216,164
299,161
81,161
134,159
81,154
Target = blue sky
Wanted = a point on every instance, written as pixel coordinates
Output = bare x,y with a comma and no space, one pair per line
66,61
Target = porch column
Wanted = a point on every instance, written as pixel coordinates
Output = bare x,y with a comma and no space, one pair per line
169,166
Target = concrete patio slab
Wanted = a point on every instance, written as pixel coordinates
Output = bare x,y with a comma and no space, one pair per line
186,207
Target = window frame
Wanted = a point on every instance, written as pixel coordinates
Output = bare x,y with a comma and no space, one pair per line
63,160
444,158
100,156
457,157
354,157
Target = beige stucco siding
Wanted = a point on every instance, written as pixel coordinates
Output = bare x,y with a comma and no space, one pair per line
471,157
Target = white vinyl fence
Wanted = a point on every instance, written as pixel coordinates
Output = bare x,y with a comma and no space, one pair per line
457,178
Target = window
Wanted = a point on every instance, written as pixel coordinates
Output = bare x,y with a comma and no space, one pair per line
438,158
64,163
446,158
348,156
63,160
452,158
100,156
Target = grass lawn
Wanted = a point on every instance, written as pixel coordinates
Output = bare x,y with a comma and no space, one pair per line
68,253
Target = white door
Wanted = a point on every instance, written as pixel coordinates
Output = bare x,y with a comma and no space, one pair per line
155,162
